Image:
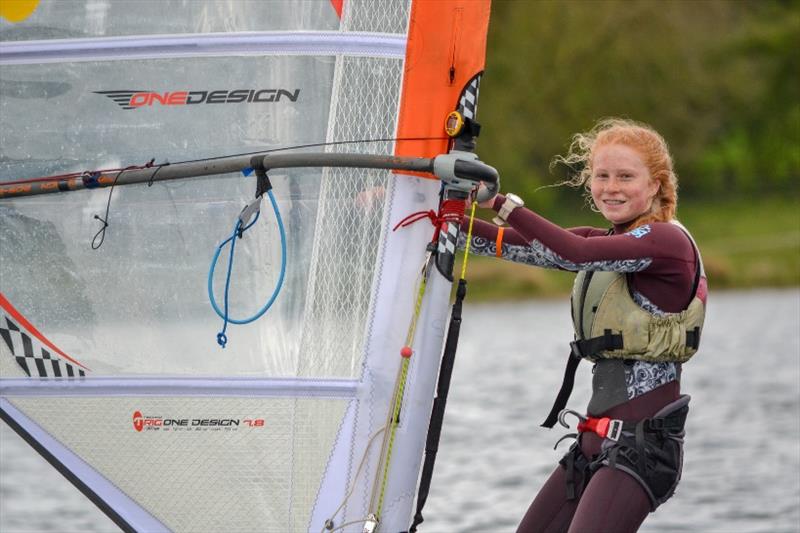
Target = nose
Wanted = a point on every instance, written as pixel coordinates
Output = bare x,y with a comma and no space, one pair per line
611,184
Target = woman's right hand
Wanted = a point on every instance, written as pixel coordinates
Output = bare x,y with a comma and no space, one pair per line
485,197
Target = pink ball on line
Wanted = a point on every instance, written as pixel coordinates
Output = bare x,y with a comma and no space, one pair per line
406,352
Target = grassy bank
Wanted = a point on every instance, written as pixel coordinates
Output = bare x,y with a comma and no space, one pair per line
745,243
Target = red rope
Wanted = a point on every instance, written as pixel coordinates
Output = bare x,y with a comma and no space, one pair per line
452,210
414,217
449,211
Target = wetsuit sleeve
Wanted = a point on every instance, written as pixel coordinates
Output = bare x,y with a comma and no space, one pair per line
660,257
513,247
657,247
633,251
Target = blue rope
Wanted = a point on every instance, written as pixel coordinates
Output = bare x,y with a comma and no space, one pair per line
238,230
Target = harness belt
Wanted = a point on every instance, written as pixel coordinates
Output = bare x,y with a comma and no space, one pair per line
612,428
650,450
693,338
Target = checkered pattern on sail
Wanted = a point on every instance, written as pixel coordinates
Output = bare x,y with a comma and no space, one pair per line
32,356
448,239
468,103
448,236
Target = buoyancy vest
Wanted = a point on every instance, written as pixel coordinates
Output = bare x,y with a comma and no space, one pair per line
609,324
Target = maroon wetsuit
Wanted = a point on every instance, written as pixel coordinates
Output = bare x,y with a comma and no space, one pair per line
662,264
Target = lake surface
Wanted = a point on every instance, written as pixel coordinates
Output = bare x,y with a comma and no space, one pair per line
742,464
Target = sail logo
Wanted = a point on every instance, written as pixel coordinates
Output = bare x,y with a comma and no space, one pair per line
134,99
161,423
138,421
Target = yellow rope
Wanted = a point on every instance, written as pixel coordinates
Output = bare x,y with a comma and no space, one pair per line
469,240
412,329
397,399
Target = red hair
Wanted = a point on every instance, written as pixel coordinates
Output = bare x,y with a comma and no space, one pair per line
648,143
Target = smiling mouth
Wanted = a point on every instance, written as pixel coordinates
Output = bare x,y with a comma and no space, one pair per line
613,202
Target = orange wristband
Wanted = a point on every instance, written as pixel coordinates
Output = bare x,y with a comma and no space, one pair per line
499,242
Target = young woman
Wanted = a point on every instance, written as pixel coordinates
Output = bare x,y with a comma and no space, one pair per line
638,305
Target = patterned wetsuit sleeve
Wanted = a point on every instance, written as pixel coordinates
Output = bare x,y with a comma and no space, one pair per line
629,252
514,246
660,249
660,257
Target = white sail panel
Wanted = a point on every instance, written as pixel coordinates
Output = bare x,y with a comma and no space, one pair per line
194,476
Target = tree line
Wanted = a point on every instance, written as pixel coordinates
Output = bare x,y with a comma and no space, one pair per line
720,79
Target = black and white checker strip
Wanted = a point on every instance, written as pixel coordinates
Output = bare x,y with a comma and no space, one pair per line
468,104
448,239
32,357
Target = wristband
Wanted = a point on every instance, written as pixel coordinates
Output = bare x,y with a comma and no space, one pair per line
499,242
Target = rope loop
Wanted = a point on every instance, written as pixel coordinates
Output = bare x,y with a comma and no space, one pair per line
238,231
415,217
449,211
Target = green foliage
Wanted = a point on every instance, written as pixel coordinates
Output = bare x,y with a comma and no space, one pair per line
762,146
719,79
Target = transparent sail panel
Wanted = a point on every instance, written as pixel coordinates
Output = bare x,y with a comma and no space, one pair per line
138,304
77,116
69,19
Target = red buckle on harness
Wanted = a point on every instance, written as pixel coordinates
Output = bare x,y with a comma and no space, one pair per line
608,428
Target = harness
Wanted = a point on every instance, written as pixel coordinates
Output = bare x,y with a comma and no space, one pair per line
650,450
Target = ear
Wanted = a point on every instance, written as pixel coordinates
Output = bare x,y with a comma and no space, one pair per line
654,188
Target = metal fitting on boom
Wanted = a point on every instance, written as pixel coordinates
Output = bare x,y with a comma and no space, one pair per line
463,171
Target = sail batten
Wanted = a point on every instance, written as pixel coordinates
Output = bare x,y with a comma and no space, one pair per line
195,387
200,45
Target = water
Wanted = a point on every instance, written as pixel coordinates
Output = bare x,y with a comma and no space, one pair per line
742,466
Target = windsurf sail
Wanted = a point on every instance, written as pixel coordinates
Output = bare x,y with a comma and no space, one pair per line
312,418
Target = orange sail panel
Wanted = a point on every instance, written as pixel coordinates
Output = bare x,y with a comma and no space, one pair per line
446,49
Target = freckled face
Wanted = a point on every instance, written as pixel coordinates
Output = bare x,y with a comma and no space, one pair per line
621,185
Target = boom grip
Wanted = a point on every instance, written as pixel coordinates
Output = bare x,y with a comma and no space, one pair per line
476,171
